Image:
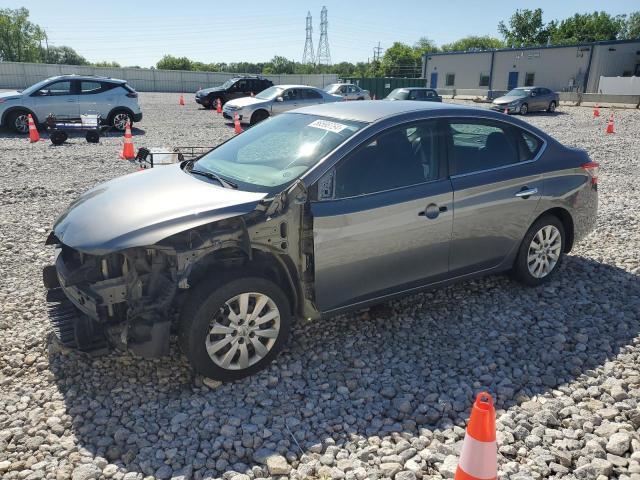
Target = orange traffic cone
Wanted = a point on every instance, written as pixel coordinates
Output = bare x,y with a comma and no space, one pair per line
479,455
506,111
610,124
127,149
34,136
181,102
252,94
596,111
218,106
236,123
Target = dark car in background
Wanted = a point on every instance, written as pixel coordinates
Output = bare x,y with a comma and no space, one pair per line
414,93
236,87
523,100
316,211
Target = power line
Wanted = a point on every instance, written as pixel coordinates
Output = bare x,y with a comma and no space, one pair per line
324,55
376,53
308,57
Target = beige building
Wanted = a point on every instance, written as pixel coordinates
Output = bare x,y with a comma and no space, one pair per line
562,68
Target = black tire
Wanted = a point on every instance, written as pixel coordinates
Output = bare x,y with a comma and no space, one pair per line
258,116
92,136
118,120
552,106
58,138
521,268
212,103
207,303
15,118
524,109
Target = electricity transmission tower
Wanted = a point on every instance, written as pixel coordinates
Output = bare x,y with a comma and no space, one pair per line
308,57
324,55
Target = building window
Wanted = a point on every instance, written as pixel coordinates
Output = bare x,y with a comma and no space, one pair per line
484,80
450,80
529,79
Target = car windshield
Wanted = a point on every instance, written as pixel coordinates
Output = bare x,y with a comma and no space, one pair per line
228,83
399,94
277,151
269,93
519,92
37,86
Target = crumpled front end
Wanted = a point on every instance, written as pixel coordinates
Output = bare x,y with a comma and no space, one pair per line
121,299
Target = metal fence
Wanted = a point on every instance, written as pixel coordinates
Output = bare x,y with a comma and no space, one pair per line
21,75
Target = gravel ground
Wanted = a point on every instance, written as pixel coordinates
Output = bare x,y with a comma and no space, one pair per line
379,394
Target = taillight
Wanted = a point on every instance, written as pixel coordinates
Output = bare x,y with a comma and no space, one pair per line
592,169
132,94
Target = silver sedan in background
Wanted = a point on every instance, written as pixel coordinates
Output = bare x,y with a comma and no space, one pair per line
527,99
274,100
348,91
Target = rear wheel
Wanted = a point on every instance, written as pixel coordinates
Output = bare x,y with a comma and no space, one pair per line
233,329
541,251
258,116
524,109
119,120
19,121
552,107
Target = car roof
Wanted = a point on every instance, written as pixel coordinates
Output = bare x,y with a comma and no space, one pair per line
74,76
296,86
372,110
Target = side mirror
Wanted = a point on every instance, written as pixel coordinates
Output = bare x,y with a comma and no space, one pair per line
279,99
533,94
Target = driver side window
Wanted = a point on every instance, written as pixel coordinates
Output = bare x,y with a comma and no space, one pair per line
290,95
55,89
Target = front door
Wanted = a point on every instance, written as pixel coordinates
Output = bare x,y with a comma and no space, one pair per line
434,80
291,98
512,81
57,98
386,226
496,190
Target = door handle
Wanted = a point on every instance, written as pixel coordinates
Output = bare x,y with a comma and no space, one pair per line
526,192
432,211
71,100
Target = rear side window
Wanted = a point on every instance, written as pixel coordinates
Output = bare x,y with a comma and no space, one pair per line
481,145
311,94
532,145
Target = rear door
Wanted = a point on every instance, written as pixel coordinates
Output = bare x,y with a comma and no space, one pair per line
386,224
310,97
97,97
496,189
58,98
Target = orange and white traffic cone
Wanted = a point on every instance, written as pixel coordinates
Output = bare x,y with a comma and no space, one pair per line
181,101
610,124
34,136
479,455
596,111
127,149
218,106
236,123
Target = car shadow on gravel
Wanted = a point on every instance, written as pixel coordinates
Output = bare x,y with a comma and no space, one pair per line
413,364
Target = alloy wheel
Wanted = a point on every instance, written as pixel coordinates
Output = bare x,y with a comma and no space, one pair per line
544,251
120,120
244,331
21,123
552,107
524,109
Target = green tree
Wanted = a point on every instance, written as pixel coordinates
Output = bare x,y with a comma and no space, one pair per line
279,65
525,28
424,45
632,26
109,64
587,27
65,56
473,42
169,62
400,60
20,40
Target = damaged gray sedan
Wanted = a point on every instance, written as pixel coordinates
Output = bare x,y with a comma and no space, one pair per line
317,211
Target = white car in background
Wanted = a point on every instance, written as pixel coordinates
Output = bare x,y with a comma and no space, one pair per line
69,96
274,100
348,91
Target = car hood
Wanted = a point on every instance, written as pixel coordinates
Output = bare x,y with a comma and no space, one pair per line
245,102
145,207
506,99
207,91
10,95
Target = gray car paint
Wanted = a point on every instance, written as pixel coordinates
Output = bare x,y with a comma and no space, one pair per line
145,207
534,102
359,238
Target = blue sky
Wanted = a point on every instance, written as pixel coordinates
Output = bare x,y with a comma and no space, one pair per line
140,32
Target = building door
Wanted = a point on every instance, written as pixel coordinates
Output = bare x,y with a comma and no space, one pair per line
513,80
434,80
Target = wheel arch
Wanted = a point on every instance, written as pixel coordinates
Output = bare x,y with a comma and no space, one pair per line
261,109
567,223
115,110
18,108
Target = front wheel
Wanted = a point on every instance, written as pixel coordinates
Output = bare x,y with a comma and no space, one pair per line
524,109
258,116
541,251
232,330
19,121
552,107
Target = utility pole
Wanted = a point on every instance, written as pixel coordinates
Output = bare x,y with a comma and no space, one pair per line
308,57
376,53
324,55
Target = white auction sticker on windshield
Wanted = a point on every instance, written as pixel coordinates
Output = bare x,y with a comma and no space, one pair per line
327,125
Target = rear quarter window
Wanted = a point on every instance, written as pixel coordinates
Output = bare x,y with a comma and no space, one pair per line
531,145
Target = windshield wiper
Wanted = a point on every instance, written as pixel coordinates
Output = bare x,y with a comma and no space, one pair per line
213,176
